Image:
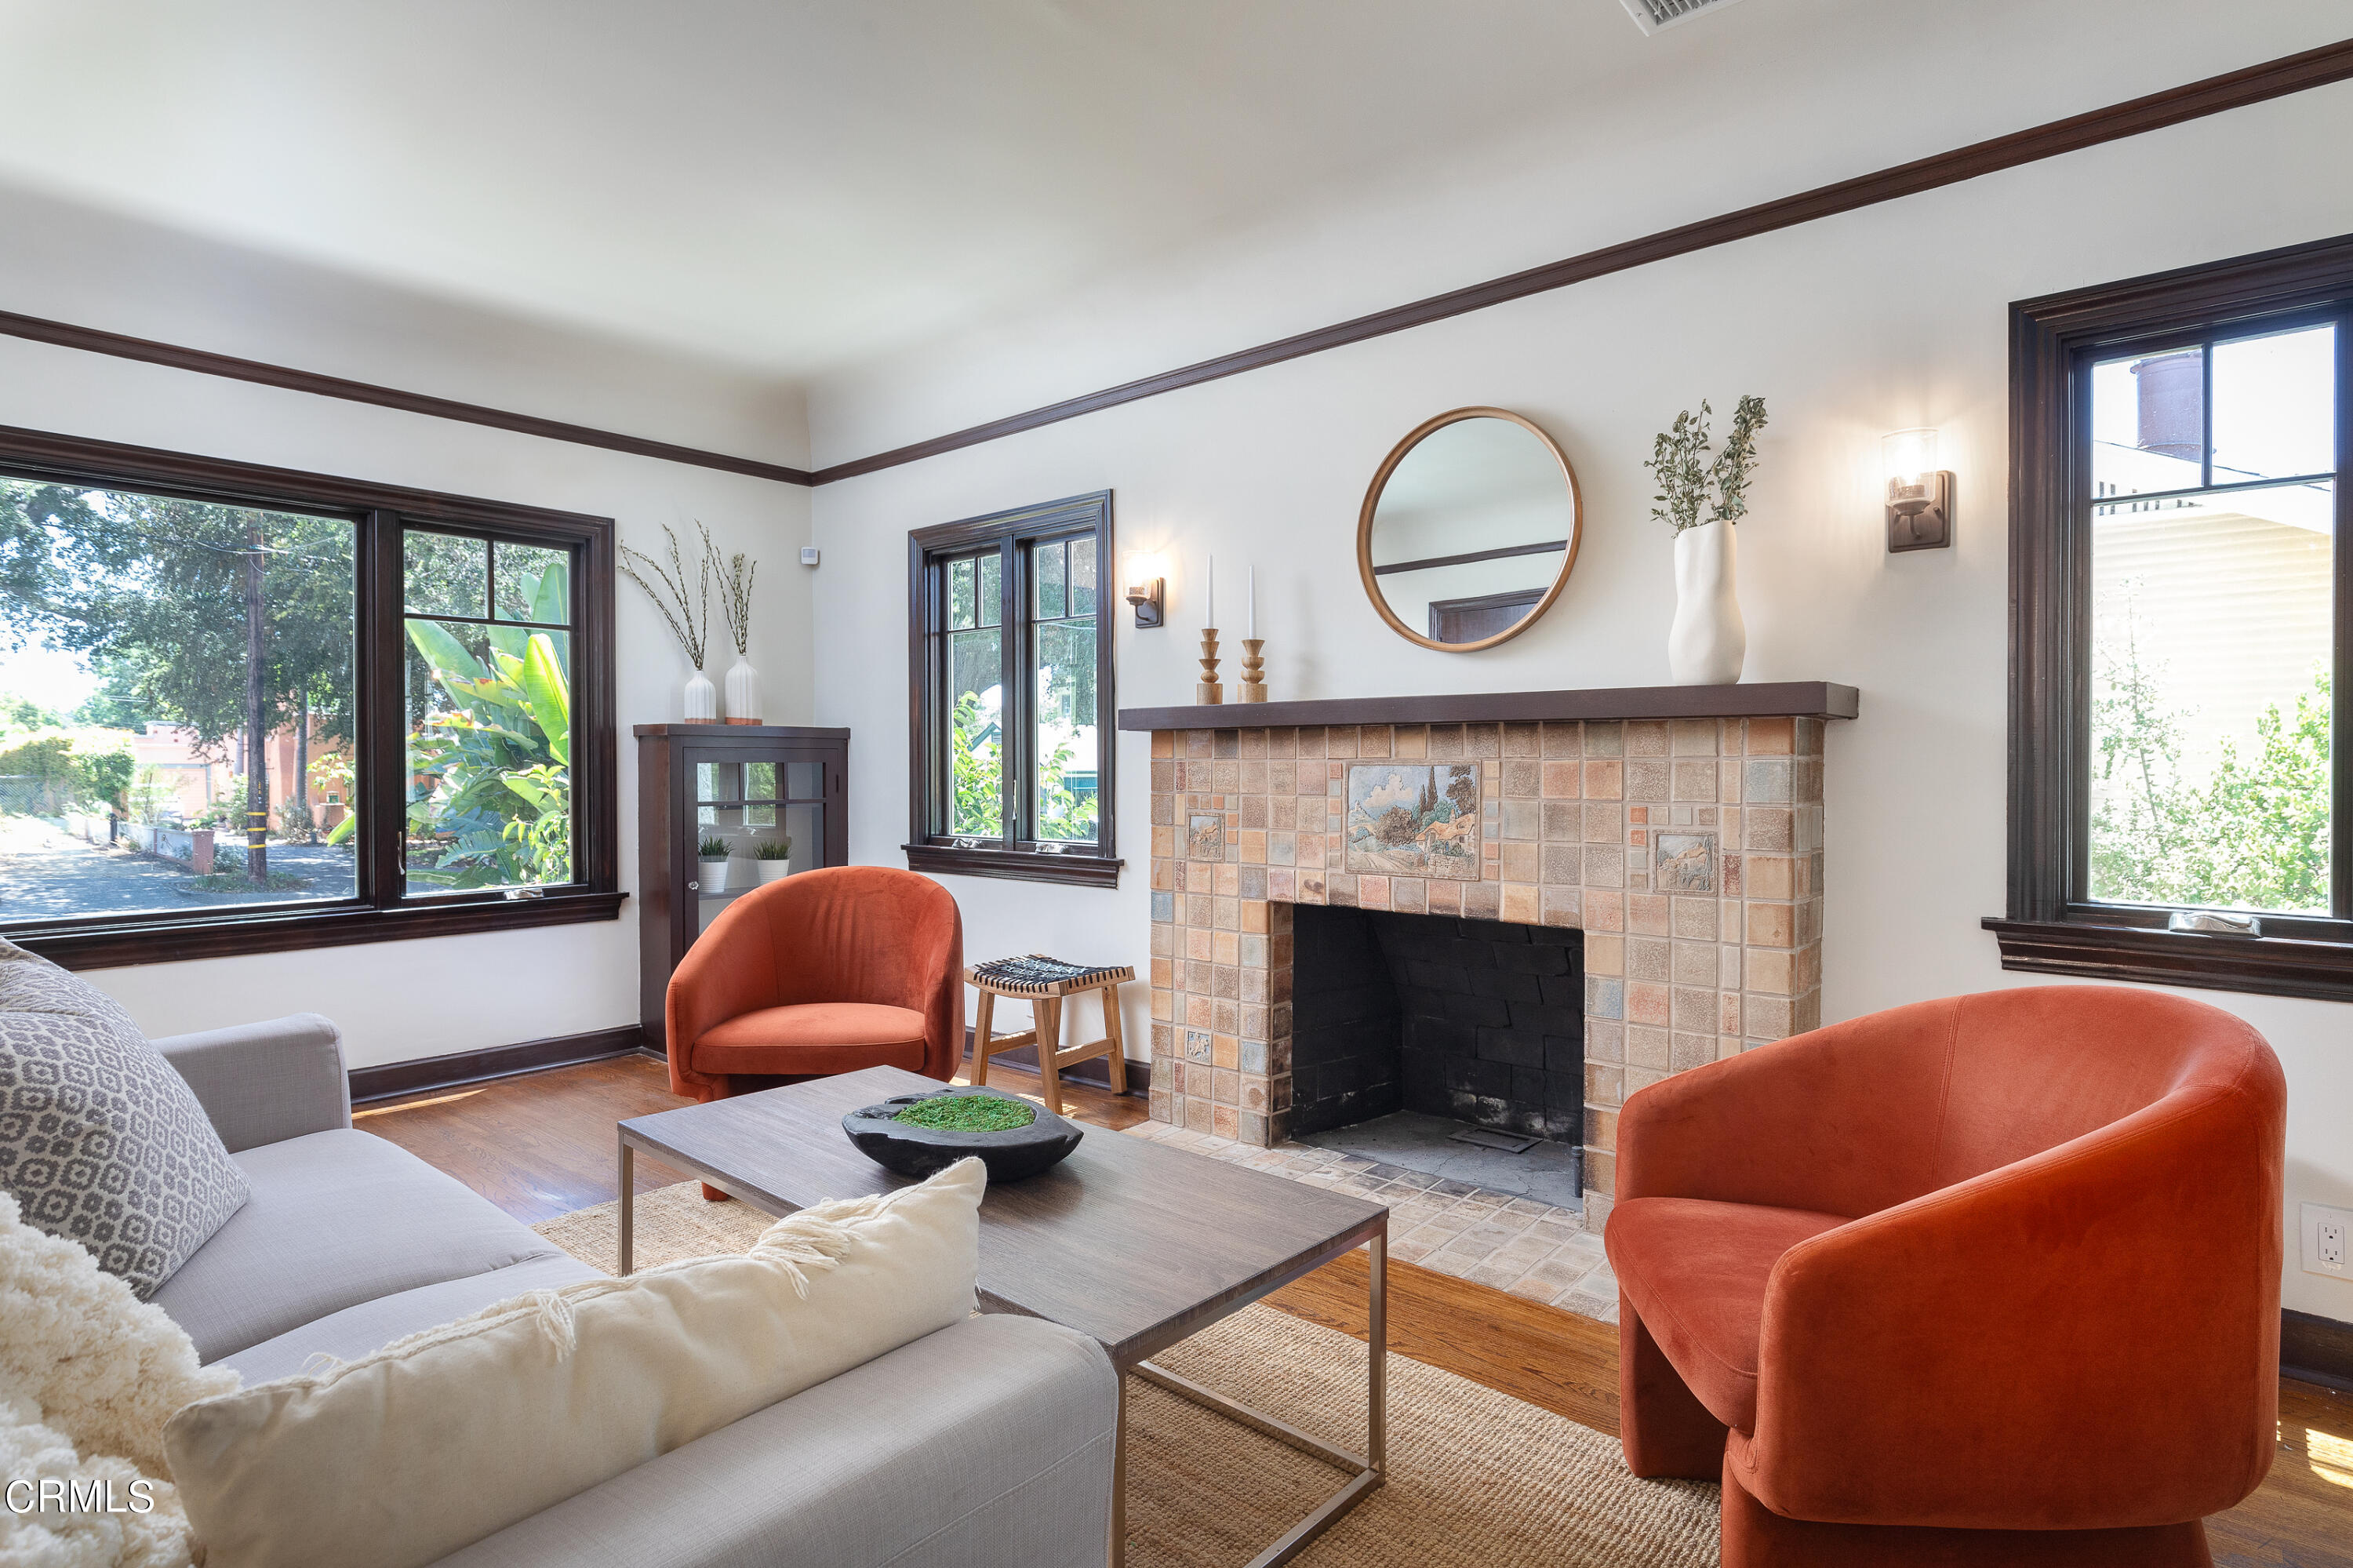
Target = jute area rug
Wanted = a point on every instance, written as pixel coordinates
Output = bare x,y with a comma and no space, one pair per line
1476,1479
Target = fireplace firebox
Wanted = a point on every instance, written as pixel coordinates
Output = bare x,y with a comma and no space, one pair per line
1476,1021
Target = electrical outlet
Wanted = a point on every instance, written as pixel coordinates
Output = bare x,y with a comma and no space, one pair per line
2327,1240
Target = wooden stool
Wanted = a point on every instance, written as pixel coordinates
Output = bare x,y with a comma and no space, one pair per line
1045,983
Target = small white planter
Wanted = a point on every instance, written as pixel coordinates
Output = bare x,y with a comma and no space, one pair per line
713,876
702,700
771,871
1708,641
743,692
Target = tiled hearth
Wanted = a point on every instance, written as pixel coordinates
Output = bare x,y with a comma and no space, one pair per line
1688,851
1530,1249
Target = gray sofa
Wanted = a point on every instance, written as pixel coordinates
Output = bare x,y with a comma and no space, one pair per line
988,1442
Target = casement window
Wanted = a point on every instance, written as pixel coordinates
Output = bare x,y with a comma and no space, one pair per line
1010,660
2180,613
252,710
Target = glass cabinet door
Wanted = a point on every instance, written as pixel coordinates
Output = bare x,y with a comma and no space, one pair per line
766,811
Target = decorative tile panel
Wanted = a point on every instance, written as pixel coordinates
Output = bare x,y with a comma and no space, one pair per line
1412,820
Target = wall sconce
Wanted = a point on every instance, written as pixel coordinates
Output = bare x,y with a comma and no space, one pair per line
1919,493
1147,578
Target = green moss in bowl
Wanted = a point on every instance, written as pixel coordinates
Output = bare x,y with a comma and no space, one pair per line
969,1112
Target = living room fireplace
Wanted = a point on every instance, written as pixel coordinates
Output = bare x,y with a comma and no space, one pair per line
1666,843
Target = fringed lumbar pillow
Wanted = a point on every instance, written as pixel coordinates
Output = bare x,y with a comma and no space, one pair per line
89,1374
446,1437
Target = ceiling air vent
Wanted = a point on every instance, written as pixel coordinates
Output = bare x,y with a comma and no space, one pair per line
1652,14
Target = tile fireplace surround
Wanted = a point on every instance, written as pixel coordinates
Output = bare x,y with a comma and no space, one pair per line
1680,828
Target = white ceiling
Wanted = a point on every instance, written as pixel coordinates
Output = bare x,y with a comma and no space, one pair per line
791,185
801,187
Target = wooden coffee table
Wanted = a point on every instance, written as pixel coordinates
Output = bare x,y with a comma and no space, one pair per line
1134,1244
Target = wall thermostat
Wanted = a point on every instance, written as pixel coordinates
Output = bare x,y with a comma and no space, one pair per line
809,555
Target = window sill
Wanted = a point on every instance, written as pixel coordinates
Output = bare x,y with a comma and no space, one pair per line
98,944
1017,865
2268,966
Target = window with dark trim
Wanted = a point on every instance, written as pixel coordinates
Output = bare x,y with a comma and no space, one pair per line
325,711
2181,609
1010,650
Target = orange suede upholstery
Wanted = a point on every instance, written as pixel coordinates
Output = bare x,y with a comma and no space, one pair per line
1971,1272
827,971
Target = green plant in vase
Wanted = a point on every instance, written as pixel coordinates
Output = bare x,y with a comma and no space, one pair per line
773,859
711,856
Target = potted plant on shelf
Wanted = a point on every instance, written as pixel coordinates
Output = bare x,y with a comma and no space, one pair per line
711,858
771,859
1707,641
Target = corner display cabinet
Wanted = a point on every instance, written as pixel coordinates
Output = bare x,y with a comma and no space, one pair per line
748,786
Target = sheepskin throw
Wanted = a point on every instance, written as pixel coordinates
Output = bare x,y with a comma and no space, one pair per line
89,1374
101,1141
401,1458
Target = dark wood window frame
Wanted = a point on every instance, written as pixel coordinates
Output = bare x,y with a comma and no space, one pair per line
929,847
380,912
2051,926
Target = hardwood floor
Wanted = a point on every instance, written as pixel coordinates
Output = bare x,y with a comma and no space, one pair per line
542,1145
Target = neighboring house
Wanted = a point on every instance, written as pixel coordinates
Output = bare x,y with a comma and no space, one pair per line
199,777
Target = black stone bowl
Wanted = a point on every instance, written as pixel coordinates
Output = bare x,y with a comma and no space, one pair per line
920,1151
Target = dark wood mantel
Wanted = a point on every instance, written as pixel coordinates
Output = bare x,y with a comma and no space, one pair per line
1763,699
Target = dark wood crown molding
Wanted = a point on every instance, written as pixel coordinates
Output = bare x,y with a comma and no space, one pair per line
203,361
2214,95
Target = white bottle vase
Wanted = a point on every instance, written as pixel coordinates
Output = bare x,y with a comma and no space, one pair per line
702,700
743,692
1707,641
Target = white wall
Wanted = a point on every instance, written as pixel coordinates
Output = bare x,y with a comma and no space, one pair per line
397,1000
1850,327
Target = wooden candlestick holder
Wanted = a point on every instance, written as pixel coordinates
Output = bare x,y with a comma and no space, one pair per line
1253,670
1209,689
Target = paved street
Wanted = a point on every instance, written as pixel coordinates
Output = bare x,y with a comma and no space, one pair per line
45,874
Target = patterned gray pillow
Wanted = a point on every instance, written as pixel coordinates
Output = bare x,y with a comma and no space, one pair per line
101,1141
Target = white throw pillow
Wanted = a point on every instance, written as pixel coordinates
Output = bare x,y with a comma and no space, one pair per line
444,1437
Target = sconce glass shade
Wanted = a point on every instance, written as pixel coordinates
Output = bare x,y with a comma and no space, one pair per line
1144,583
1909,457
1140,570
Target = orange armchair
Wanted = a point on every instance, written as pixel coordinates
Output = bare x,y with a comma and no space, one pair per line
828,971
1993,1279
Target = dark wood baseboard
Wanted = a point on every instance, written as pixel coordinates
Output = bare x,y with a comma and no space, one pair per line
2314,1349
392,1079
1094,1070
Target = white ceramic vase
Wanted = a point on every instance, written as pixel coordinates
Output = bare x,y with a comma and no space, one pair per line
1707,641
743,692
701,699
712,876
771,870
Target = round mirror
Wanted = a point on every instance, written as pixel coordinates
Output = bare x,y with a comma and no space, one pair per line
1469,531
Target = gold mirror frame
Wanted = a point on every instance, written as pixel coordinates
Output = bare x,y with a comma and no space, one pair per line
1373,501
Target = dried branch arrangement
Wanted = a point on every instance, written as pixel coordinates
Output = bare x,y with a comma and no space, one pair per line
1679,460
735,592
690,619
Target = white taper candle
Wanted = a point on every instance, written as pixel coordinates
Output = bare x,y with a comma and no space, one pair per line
1209,610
